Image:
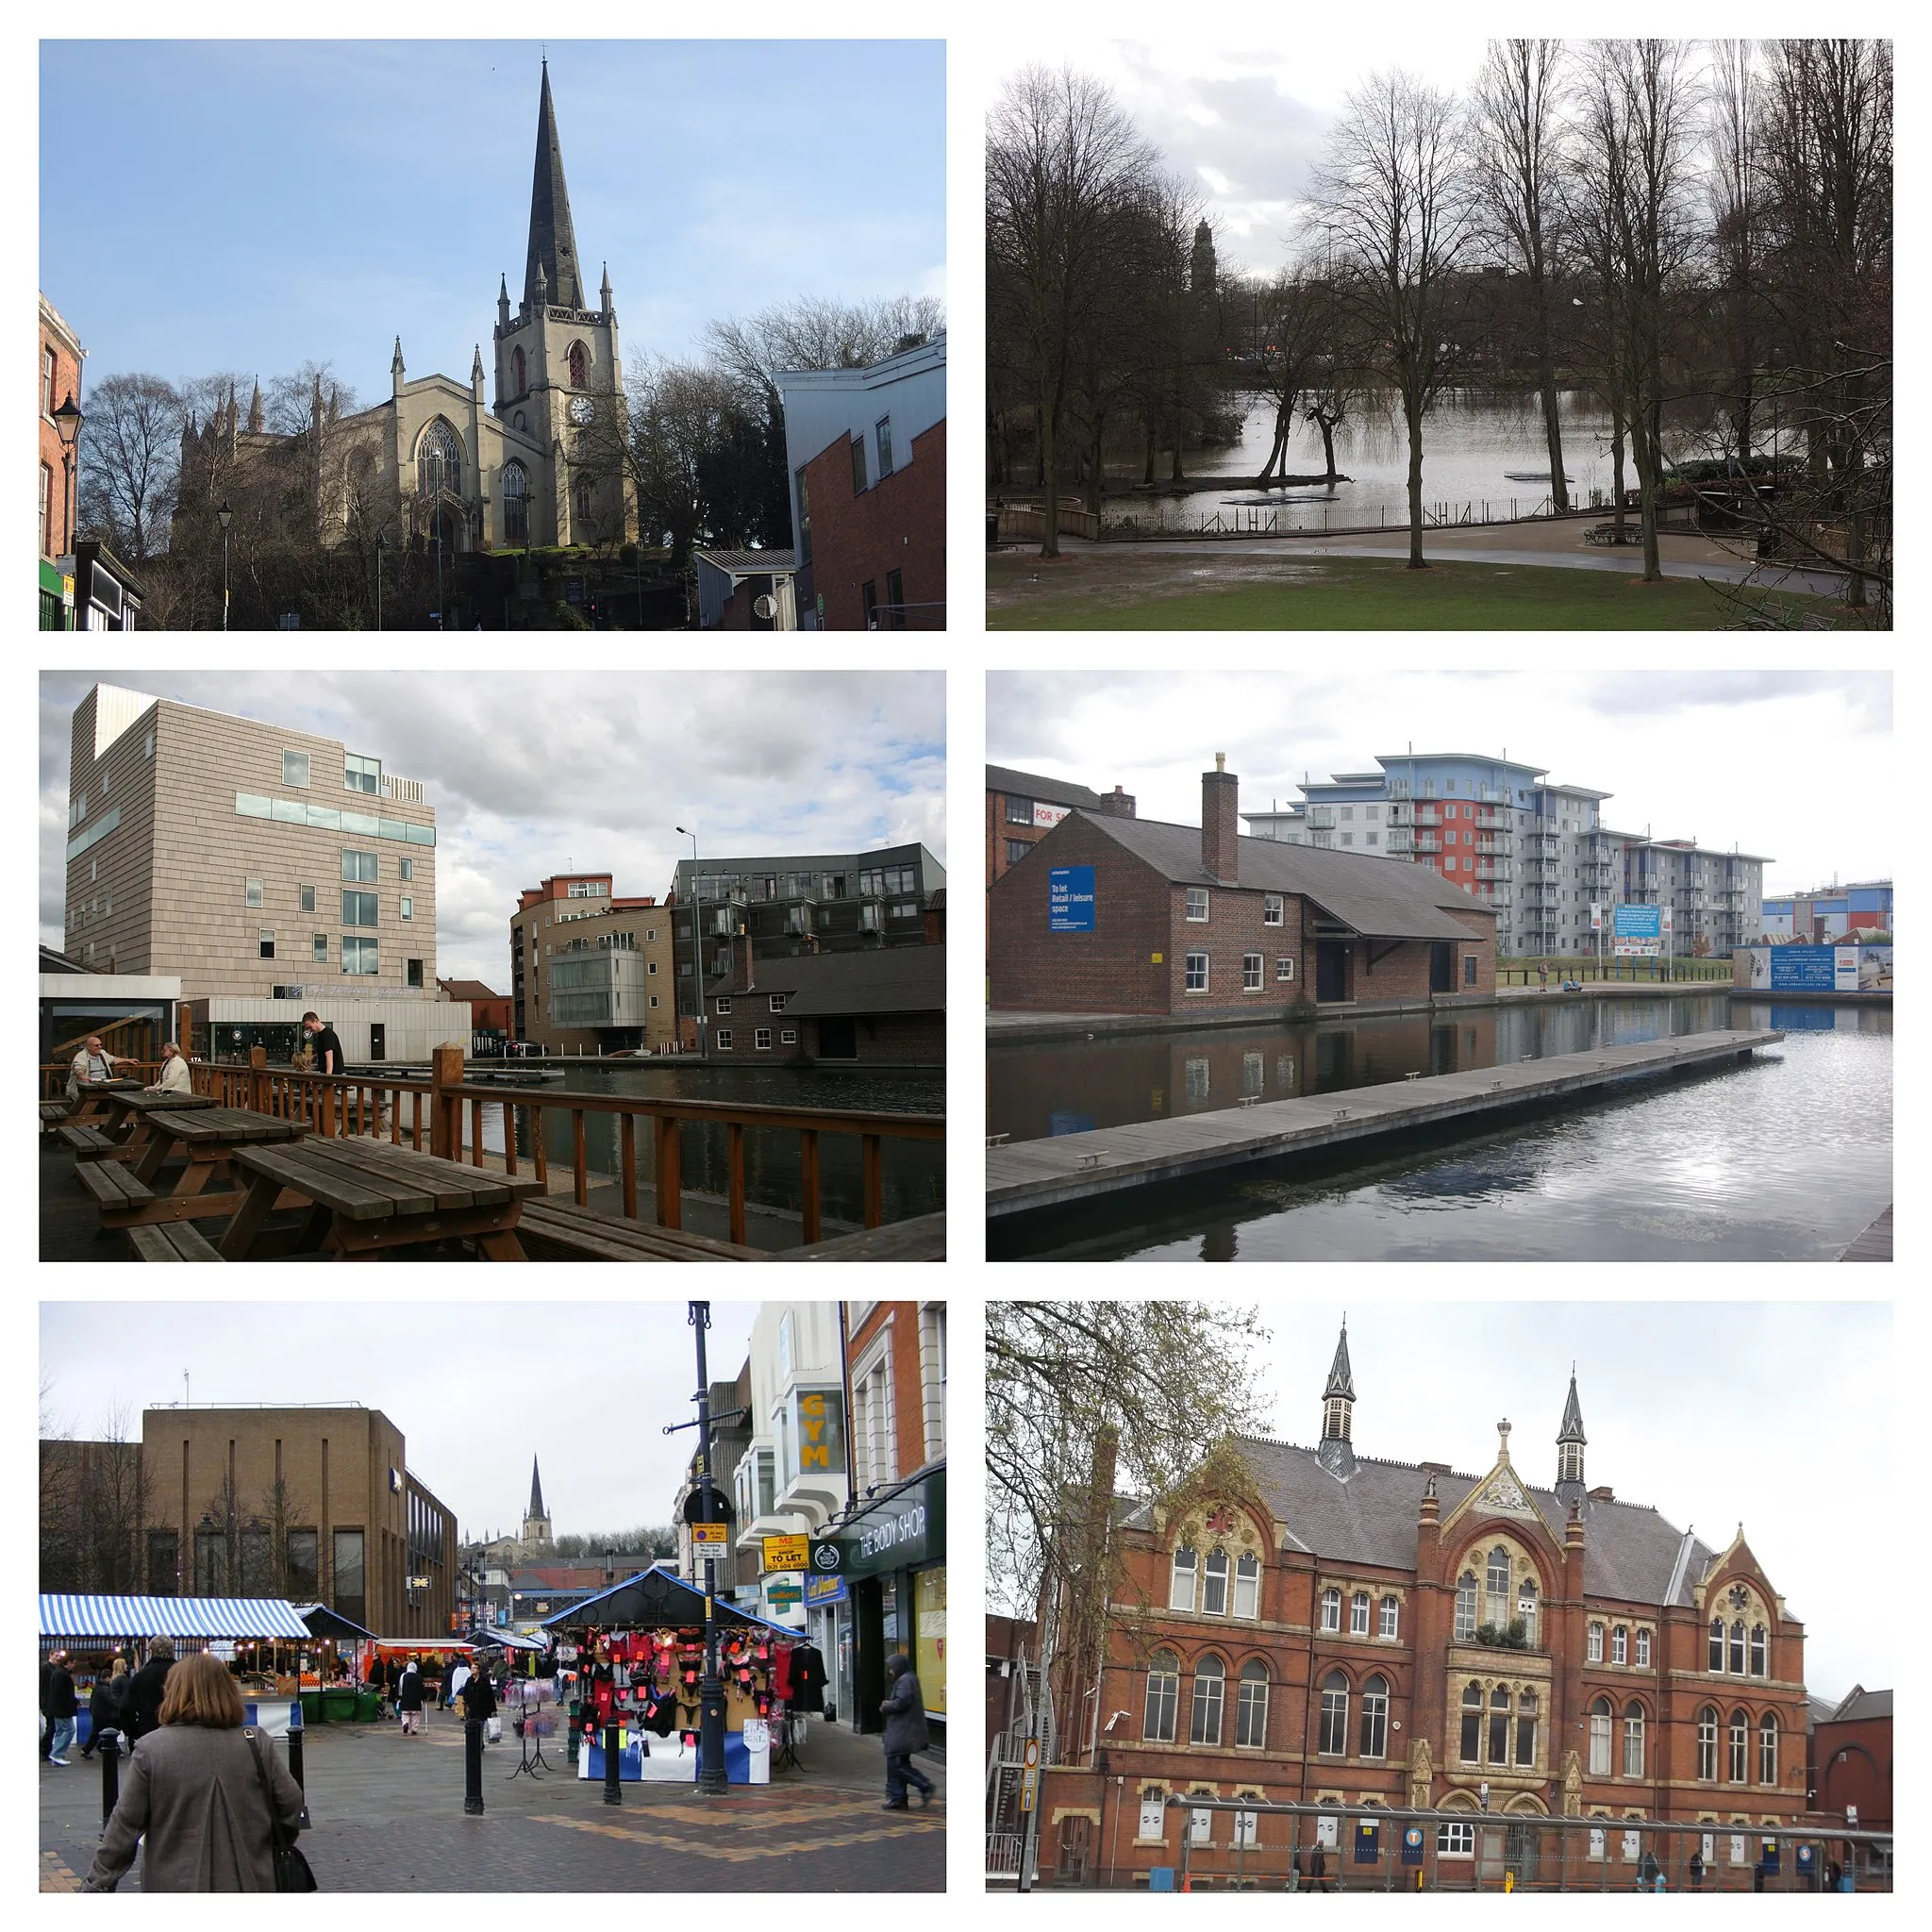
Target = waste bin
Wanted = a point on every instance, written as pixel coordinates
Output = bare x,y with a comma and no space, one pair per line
992,529
368,1707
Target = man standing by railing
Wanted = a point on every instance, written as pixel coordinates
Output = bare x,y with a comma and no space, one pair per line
328,1049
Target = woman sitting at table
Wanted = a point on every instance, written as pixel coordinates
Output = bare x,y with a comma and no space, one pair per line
92,1064
175,1074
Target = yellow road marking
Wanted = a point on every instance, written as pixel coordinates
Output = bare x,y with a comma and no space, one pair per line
738,1854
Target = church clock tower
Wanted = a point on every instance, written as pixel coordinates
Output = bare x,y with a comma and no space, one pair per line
556,360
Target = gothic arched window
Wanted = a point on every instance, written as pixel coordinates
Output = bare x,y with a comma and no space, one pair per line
1525,1730
1210,1676
1633,1740
1465,1605
1717,1643
1767,1750
1600,1738
1706,1744
1757,1650
1526,1608
1740,1747
579,366
516,503
585,495
1247,1586
516,373
1737,1648
1472,1723
1499,1724
1376,1717
1359,1614
1214,1584
1163,1694
1496,1581
439,460
1180,1594
1251,1714
1333,1715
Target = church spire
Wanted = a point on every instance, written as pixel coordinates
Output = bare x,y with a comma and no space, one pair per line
1570,1442
1335,1452
553,245
605,290
536,1491
255,417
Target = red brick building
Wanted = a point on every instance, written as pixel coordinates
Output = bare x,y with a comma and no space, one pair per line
1128,915
1851,1759
1341,1629
886,1007
490,1013
1022,807
59,377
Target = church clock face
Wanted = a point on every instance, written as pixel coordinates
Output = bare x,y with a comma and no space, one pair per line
581,409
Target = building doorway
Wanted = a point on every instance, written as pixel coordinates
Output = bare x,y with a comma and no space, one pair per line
1441,966
378,1041
1331,972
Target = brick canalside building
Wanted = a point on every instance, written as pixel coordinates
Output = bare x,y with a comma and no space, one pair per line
1115,914
1340,1629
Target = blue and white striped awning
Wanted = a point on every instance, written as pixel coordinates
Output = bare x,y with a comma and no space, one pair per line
169,1616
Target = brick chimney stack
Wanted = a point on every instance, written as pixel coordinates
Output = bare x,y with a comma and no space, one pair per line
1219,822
1118,806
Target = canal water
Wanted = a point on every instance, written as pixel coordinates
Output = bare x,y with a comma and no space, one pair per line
1786,1157
915,1170
1471,441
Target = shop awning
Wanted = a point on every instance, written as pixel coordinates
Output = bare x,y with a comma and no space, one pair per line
324,1622
506,1640
653,1597
169,1616
410,1645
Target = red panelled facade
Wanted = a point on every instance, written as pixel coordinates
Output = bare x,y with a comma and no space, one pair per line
881,550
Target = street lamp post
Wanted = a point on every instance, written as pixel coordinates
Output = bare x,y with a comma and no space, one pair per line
711,1778
697,956
381,544
224,516
67,419
436,510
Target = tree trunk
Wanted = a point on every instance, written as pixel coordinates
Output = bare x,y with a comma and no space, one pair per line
1617,428
1650,485
1049,482
1096,475
1546,385
1148,474
1279,454
1327,443
1412,411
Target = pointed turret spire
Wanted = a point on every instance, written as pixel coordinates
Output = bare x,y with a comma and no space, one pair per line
255,416
1570,1442
476,367
552,262
536,1489
502,302
1335,1453
395,361
605,290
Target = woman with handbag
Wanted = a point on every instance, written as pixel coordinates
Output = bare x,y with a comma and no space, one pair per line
217,1809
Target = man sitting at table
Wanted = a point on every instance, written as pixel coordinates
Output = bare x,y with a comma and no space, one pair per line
328,1049
90,1066
175,1074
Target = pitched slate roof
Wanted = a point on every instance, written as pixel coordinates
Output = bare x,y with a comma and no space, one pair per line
894,979
1003,778
750,563
1631,1553
1859,1704
1379,898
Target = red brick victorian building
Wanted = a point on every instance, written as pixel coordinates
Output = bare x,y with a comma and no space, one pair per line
1357,1631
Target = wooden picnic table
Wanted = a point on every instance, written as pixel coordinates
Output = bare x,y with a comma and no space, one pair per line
206,1188
92,1105
368,1198
132,1111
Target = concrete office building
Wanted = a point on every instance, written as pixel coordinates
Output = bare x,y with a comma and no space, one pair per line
244,858
1537,855
590,972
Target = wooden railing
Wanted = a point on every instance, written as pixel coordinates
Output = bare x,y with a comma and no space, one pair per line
415,1111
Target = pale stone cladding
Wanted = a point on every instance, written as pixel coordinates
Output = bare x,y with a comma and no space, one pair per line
593,974
181,819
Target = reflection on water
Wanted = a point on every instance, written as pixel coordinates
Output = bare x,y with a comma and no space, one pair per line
915,1170
1786,1157
1469,444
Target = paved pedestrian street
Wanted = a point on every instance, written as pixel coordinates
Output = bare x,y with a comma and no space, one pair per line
388,1814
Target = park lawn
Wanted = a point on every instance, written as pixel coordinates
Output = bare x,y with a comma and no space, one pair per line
1111,591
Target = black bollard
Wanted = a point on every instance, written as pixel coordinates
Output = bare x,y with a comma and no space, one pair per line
109,1749
295,1759
613,1790
473,1767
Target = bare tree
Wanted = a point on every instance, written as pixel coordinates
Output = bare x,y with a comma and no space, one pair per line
1395,196
1515,117
1737,207
1288,347
1065,174
814,332
130,452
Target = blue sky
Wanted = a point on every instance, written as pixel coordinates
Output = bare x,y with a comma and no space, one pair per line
254,205
595,774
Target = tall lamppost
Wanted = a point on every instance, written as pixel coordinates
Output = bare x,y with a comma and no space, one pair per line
224,516
436,510
712,1778
697,956
381,544
67,419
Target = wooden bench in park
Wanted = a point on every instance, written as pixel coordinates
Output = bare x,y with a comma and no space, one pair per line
52,1114
559,1230
180,1241
1612,533
89,1143
121,1194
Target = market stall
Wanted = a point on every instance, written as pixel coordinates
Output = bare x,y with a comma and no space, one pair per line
330,1693
639,1653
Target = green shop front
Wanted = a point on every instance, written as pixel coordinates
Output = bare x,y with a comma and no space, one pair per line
890,1588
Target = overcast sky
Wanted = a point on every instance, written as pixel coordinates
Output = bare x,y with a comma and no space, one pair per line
252,206
533,774
1792,765
607,1464
1775,1414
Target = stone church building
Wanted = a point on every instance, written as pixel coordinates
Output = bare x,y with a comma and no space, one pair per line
488,471
1332,1629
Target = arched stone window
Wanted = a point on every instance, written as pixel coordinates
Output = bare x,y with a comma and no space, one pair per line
1163,1697
1211,1676
1496,1581
1706,1744
1633,1740
1767,1750
1600,1738
439,460
1740,1748
584,494
1251,1713
1331,1610
1499,1724
1525,1730
1333,1715
1359,1614
1214,1584
1717,1644
1465,1603
518,372
1391,1618
516,503
1472,1723
1375,1717
1759,1651
1619,1643
1737,1648
579,360
1180,1593
1247,1586
1526,1608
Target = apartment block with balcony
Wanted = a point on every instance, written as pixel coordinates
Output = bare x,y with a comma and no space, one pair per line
592,972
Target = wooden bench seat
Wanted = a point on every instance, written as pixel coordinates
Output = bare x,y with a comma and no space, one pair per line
922,1239
559,1230
178,1241
114,1185
89,1143
52,1112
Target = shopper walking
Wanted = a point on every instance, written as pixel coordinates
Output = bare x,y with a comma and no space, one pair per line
479,1703
194,1789
147,1688
460,1675
107,1706
409,1699
46,1723
905,1733
62,1708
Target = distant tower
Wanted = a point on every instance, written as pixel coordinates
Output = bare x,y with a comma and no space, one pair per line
1336,1452
536,1518
1570,1442
1201,277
